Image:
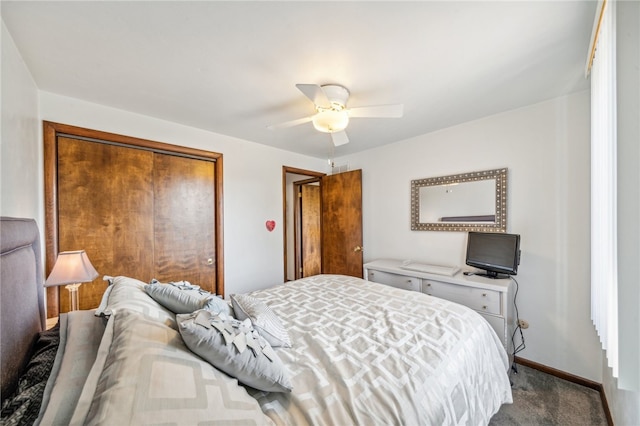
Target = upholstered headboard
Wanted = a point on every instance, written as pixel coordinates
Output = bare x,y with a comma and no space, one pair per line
22,314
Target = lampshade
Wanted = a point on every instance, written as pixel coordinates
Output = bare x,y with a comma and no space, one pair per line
71,267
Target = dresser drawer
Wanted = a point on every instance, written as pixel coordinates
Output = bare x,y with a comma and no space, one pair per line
400,281
498,325
477,299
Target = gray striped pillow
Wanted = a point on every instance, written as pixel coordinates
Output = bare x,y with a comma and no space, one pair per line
263,319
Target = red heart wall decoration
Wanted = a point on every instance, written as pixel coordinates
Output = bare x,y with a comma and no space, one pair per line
271,224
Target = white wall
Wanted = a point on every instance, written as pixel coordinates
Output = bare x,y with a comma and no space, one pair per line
252,184
20,147
546,150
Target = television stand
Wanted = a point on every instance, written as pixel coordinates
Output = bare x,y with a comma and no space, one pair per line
492,275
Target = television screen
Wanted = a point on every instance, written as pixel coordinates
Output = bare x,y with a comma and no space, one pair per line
495,253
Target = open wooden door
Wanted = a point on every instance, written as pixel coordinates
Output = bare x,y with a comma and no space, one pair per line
342,224
308,229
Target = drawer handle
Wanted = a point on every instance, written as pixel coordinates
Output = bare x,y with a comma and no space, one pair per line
484,294
484,307
428,284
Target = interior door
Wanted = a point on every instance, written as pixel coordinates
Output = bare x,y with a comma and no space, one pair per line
184,206
309,240
291,248
342,224
105,203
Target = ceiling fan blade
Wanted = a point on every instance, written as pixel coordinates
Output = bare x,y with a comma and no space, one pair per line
315,94
391,111
339,138
291,123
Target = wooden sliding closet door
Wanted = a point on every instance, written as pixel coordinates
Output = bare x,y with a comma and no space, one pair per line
105,207
139,208
184,220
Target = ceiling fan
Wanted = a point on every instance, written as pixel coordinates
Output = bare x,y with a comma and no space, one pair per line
332,115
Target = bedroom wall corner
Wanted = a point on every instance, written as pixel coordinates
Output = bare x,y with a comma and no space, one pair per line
21,176
624,405
545,146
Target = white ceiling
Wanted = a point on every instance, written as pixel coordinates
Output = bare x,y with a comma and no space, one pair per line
231,67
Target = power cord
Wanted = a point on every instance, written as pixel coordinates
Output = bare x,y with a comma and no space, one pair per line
522,345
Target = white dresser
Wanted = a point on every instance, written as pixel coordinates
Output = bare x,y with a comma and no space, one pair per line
492,298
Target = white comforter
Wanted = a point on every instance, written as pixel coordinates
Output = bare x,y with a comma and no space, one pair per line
365,353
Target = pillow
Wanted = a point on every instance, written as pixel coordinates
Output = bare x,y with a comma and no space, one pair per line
263,319
144,374
184,298
105,296
23,406
234,347
219,306
182,285
178,298
126,293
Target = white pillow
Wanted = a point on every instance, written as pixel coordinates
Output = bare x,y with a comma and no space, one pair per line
234,347
263,319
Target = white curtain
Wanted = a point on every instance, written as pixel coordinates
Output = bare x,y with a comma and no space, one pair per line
604,272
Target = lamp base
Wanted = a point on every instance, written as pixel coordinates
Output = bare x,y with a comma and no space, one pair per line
73,293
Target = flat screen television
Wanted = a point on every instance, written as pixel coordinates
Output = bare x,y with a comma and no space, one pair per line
497,254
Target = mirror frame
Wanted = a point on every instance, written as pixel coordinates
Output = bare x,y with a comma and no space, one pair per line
500,224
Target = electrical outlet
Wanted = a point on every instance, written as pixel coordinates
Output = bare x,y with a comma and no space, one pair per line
523,324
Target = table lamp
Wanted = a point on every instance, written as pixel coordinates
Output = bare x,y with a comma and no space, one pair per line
72,268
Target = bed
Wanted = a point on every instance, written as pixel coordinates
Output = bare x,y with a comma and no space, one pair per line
324,350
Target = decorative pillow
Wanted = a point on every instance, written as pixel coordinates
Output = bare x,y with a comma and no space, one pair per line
178,298
182,285
234,347
126,293
23,406
183,298
263,319
219,306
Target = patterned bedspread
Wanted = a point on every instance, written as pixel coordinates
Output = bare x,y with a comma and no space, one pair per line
362,353
366,353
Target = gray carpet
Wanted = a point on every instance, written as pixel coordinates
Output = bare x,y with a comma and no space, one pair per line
542,399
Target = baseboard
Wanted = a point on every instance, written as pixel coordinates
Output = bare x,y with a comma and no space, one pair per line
570,378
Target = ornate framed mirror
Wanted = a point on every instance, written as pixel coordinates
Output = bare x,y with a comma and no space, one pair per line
475,201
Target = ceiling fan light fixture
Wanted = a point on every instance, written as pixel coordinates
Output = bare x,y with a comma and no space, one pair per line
332,115
330,120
